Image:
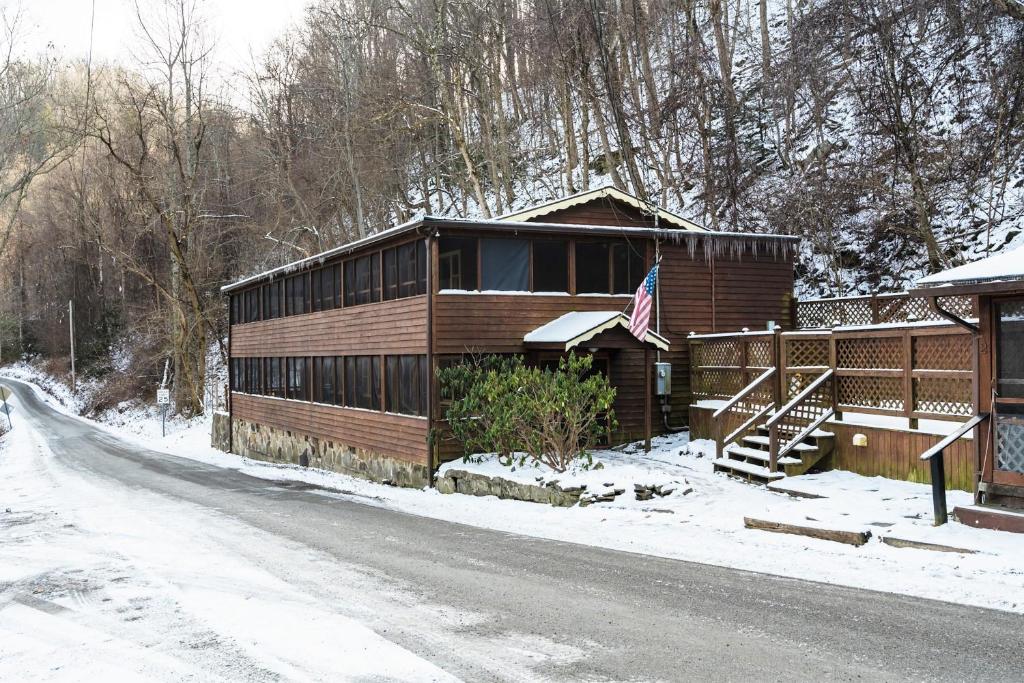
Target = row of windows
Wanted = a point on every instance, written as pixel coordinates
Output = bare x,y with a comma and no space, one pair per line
465,263
539,265
351,381
405,274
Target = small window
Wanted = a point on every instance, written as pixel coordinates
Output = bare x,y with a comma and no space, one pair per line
457,263
298,383
550,266
592,268
362,280
251,303
362,382
326,283
296,299
236,380
627,267
407,384
390,257
236,309
505,265
408,279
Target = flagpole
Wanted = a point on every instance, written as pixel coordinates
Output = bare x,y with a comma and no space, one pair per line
657,281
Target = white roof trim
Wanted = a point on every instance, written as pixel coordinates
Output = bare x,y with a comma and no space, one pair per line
1008,265
590,195
576,327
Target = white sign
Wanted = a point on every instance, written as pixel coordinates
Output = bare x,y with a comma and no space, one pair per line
163,396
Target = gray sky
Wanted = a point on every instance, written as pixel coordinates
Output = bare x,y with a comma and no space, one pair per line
237,25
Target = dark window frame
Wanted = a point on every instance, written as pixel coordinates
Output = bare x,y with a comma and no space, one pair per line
362,279
407,384
363,382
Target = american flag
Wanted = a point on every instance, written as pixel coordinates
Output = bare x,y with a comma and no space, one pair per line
641,318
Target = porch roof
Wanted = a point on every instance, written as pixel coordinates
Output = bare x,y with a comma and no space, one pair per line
1002,272
576,327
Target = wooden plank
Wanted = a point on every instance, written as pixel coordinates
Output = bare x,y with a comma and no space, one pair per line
856,538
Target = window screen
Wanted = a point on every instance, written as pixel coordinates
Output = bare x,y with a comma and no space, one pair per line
235,379
274,385
457,263
362,382
627,267
325,288
407,383
390,274
325,380
236,309
298,383
592,268
252,305
295,295
550,266
253,375
272,300
505,265
362,280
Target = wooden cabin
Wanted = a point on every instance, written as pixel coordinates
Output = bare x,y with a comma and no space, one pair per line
997,283
333,358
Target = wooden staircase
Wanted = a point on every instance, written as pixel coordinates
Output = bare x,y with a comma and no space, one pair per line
749,457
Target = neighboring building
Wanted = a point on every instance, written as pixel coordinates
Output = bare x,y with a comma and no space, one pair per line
997,283
333,357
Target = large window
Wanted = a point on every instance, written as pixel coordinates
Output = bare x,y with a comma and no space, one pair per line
550,266
405,270
236,309
250,306
457,263
296,296
627,267
362,382
327,380
505,265
608,268
272,294
298,379
326,288
274,385
362,280
407,383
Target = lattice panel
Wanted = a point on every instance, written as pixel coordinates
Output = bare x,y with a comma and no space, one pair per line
1010,444
806,412
887,309
724,352
761,353
882,393
717,383
962,306
815,314
943,395
870,352
803,353
947,352
798,381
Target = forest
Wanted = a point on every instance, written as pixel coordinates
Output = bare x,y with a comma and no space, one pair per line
888,134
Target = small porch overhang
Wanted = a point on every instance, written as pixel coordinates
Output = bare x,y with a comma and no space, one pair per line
578,327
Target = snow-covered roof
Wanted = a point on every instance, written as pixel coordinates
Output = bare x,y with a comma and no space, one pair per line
609,192
1007,266
576,327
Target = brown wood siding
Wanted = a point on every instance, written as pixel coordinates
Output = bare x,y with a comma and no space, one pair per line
751,291
397,436
389,327
602,211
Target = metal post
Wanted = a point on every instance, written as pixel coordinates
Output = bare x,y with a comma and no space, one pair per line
7,410
939,488
71,329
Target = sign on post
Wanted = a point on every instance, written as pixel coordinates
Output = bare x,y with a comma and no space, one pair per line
163,399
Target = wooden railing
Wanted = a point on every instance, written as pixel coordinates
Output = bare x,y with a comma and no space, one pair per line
914,371
875,309
755,401
935,457
798,419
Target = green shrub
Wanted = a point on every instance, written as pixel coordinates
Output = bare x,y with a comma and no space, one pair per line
500,405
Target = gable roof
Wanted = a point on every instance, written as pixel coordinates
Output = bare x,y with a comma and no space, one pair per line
1007,266
576,327
667,218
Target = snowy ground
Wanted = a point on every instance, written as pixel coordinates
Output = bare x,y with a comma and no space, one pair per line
704,525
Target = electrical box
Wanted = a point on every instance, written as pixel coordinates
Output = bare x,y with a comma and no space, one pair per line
662,379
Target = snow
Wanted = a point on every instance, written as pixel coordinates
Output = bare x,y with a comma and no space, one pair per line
1008,265
569,326
704,525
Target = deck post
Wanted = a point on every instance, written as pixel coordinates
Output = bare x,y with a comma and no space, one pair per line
939,488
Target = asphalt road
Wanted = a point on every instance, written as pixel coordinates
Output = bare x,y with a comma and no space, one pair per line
632,617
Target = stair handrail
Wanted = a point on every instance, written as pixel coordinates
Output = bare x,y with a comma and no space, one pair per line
731,403
935,456
773,422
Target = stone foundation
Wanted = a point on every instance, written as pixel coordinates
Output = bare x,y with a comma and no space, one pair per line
220,434
472,484
270,444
